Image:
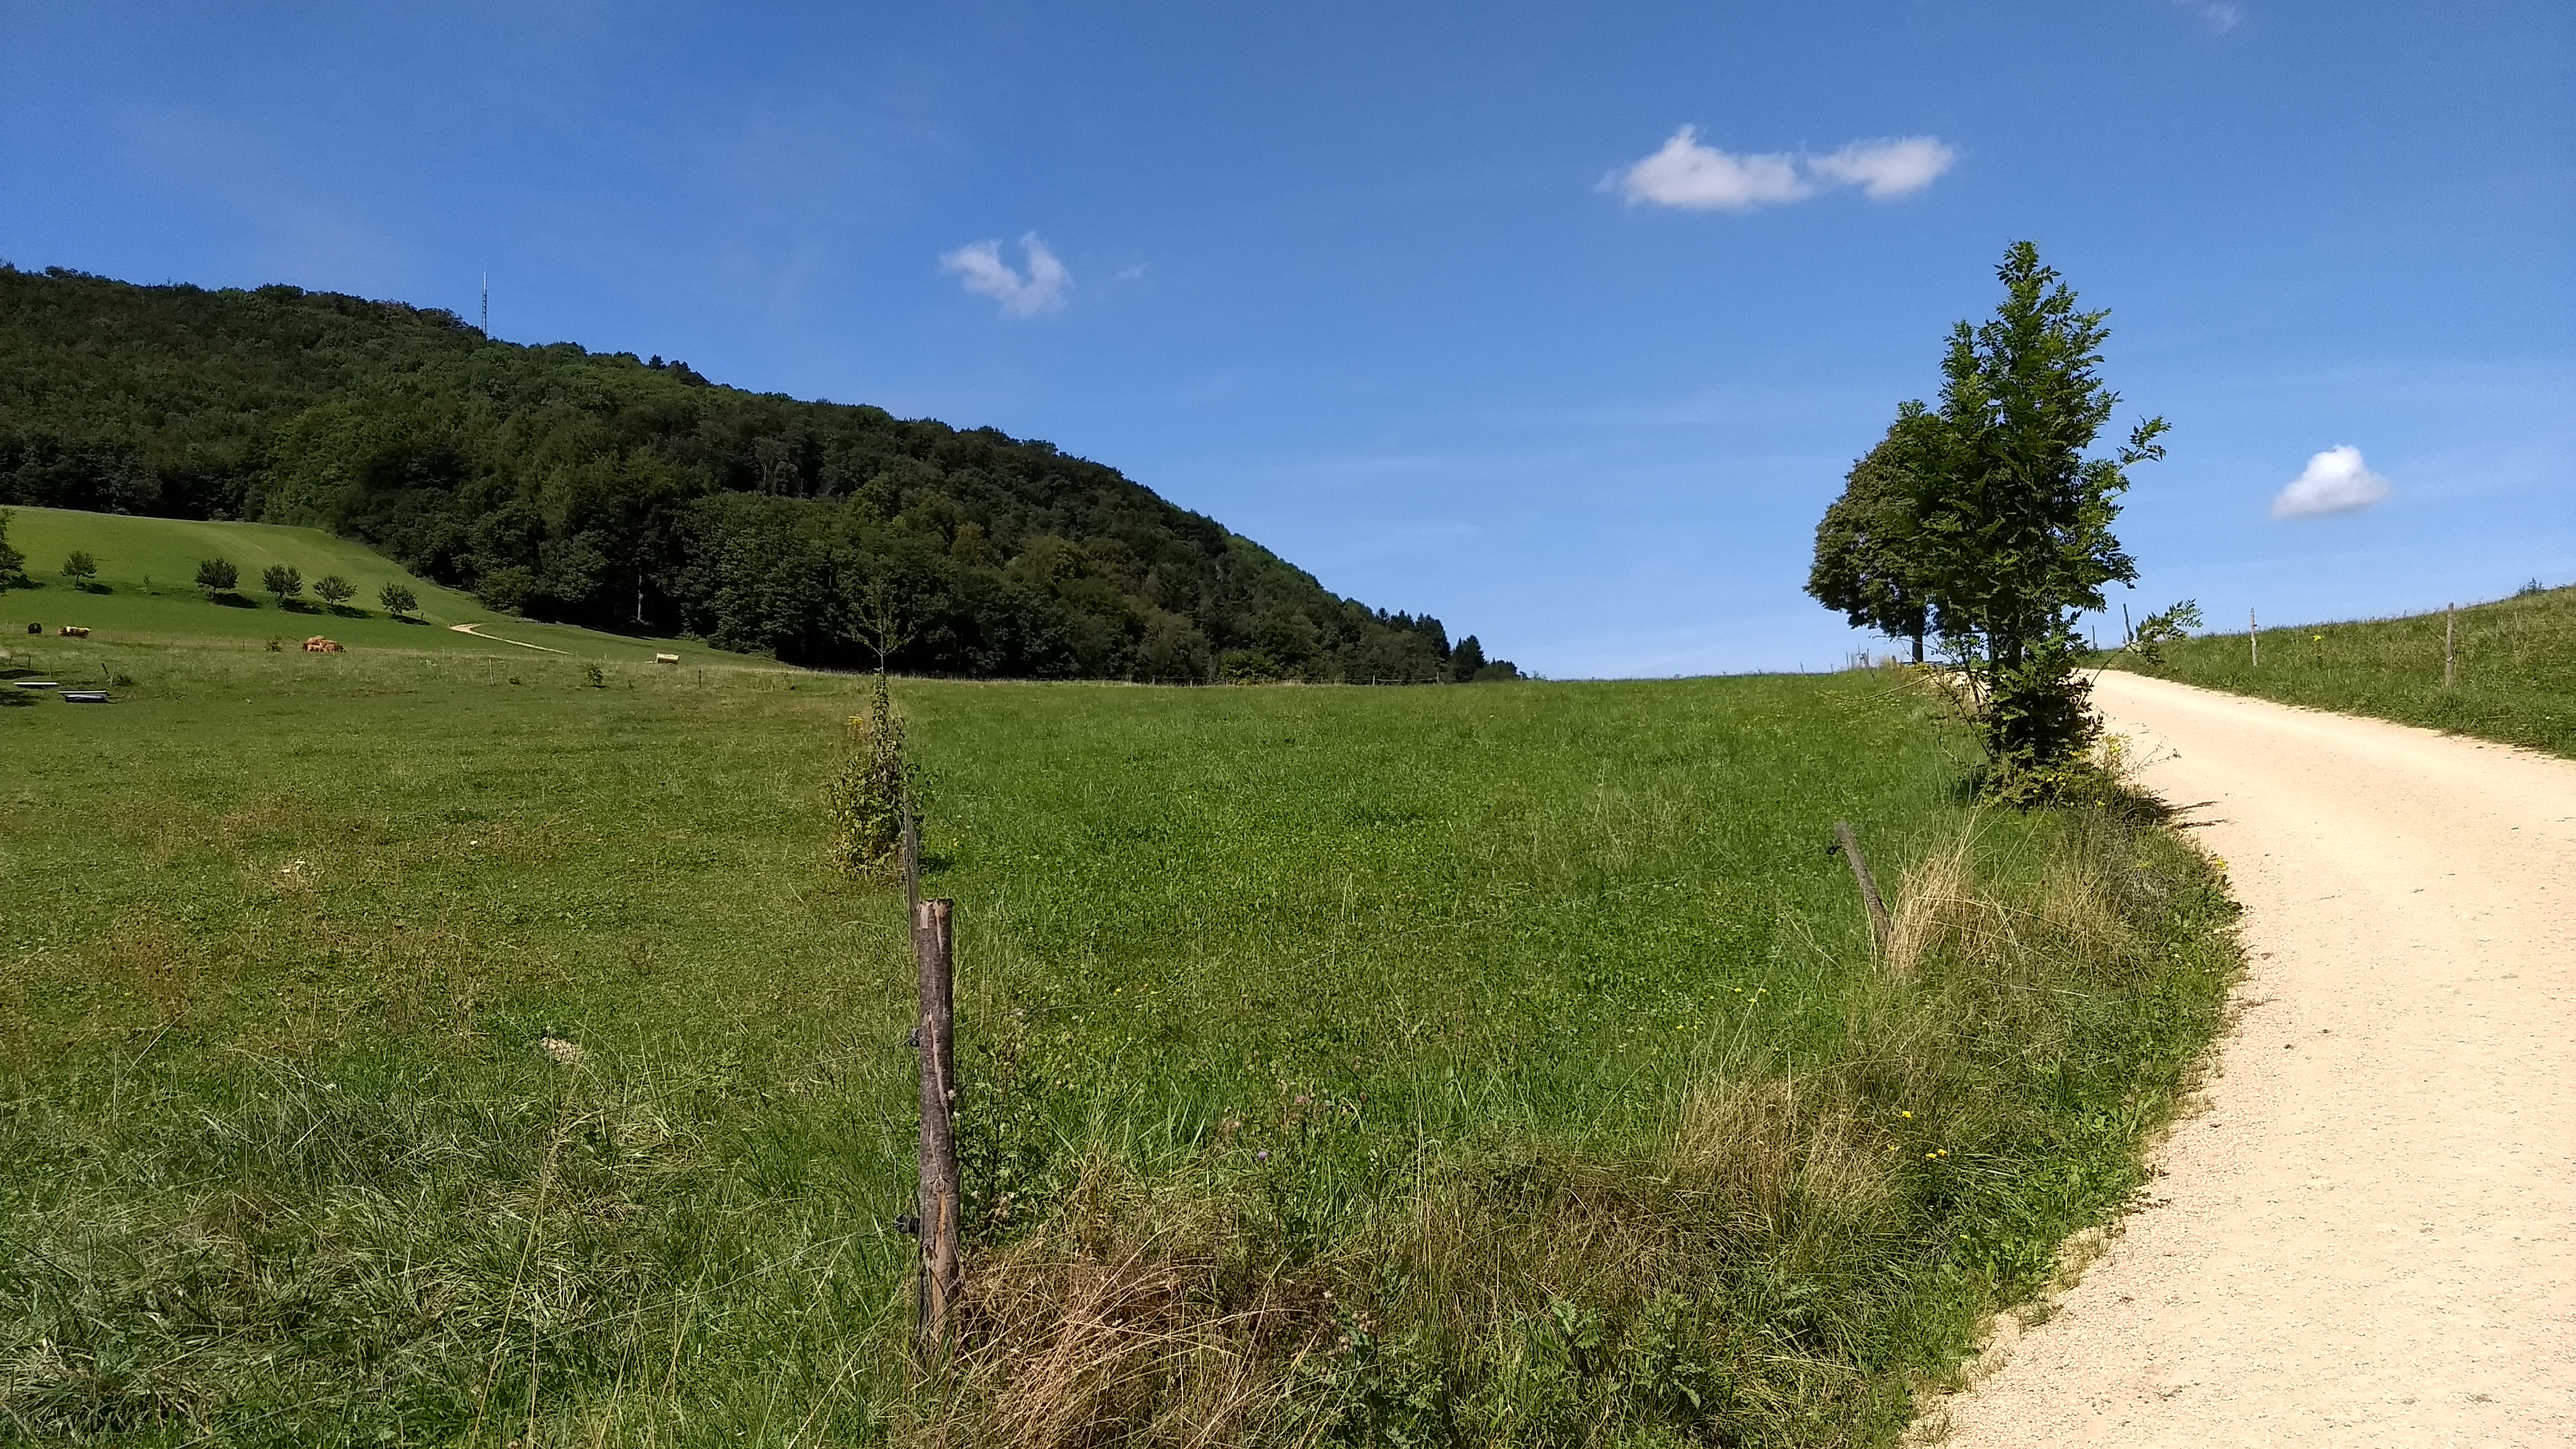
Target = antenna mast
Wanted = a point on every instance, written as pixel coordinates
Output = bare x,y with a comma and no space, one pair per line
487,306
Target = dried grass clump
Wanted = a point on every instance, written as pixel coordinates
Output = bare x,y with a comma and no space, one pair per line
1140,1314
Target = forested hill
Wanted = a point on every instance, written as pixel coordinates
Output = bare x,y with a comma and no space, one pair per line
634,494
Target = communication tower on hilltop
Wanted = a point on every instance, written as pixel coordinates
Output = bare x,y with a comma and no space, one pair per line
487,306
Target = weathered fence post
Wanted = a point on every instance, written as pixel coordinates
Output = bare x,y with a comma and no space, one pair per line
2253,639
2450,626
942,1274
1878,922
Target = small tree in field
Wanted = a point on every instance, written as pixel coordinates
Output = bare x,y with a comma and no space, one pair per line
335,590
80,568
13,564
286,581
866,795
2002,523
218,576
397,599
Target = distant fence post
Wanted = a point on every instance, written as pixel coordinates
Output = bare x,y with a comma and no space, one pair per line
2450,625
2253,639
942,1274
1849,840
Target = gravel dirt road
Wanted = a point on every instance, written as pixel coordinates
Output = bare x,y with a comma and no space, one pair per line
2367,1236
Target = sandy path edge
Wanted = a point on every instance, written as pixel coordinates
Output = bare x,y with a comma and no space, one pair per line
2366,1234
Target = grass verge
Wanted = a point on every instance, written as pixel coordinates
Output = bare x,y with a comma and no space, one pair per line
420,1049
2514,675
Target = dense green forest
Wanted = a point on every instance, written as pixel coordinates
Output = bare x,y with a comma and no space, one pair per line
633,494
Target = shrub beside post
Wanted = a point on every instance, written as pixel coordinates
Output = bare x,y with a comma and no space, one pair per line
871,790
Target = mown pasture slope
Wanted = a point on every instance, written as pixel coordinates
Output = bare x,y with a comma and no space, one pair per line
408,1048
146,591
2513,668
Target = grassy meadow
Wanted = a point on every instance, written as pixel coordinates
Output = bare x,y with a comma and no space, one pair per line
437,1048
2514,676
146,591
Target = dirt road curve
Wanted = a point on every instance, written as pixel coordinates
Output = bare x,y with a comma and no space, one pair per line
2369,1236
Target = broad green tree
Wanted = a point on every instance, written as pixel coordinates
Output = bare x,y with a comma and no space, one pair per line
2009,515
80,568
286,581
397,599
1862,566
217,575
335,590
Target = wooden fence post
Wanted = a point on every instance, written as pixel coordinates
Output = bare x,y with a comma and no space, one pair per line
1878,922
2450,625
2253,639
942,1275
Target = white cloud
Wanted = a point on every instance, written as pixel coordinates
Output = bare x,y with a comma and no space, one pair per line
984,272
2336,481
2219,15
1694,177
1885,169
1702,178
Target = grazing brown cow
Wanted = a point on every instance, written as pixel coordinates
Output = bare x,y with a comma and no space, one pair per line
74,631
319,645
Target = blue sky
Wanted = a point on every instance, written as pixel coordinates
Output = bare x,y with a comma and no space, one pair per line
1379,285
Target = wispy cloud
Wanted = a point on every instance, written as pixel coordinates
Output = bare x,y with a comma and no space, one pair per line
2219,15
1884,170
980,266
1696,177
2335,481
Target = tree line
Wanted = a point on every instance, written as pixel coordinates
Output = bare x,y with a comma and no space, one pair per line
1983,525
633,494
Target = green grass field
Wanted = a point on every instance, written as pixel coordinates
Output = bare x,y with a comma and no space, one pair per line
416,1048
145,592
2514,675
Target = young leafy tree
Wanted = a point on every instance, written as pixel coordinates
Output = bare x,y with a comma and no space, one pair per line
13,564
2009,520
80,568
286,581
1862,565
398,599
217,575
335,590
866,796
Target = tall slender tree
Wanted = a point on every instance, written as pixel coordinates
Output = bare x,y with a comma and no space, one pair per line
2003,517
13,564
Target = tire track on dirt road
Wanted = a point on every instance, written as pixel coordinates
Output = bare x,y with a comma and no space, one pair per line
2367,1235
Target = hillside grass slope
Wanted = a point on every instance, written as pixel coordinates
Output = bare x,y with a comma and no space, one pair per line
144,593
2514,676
418,1049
